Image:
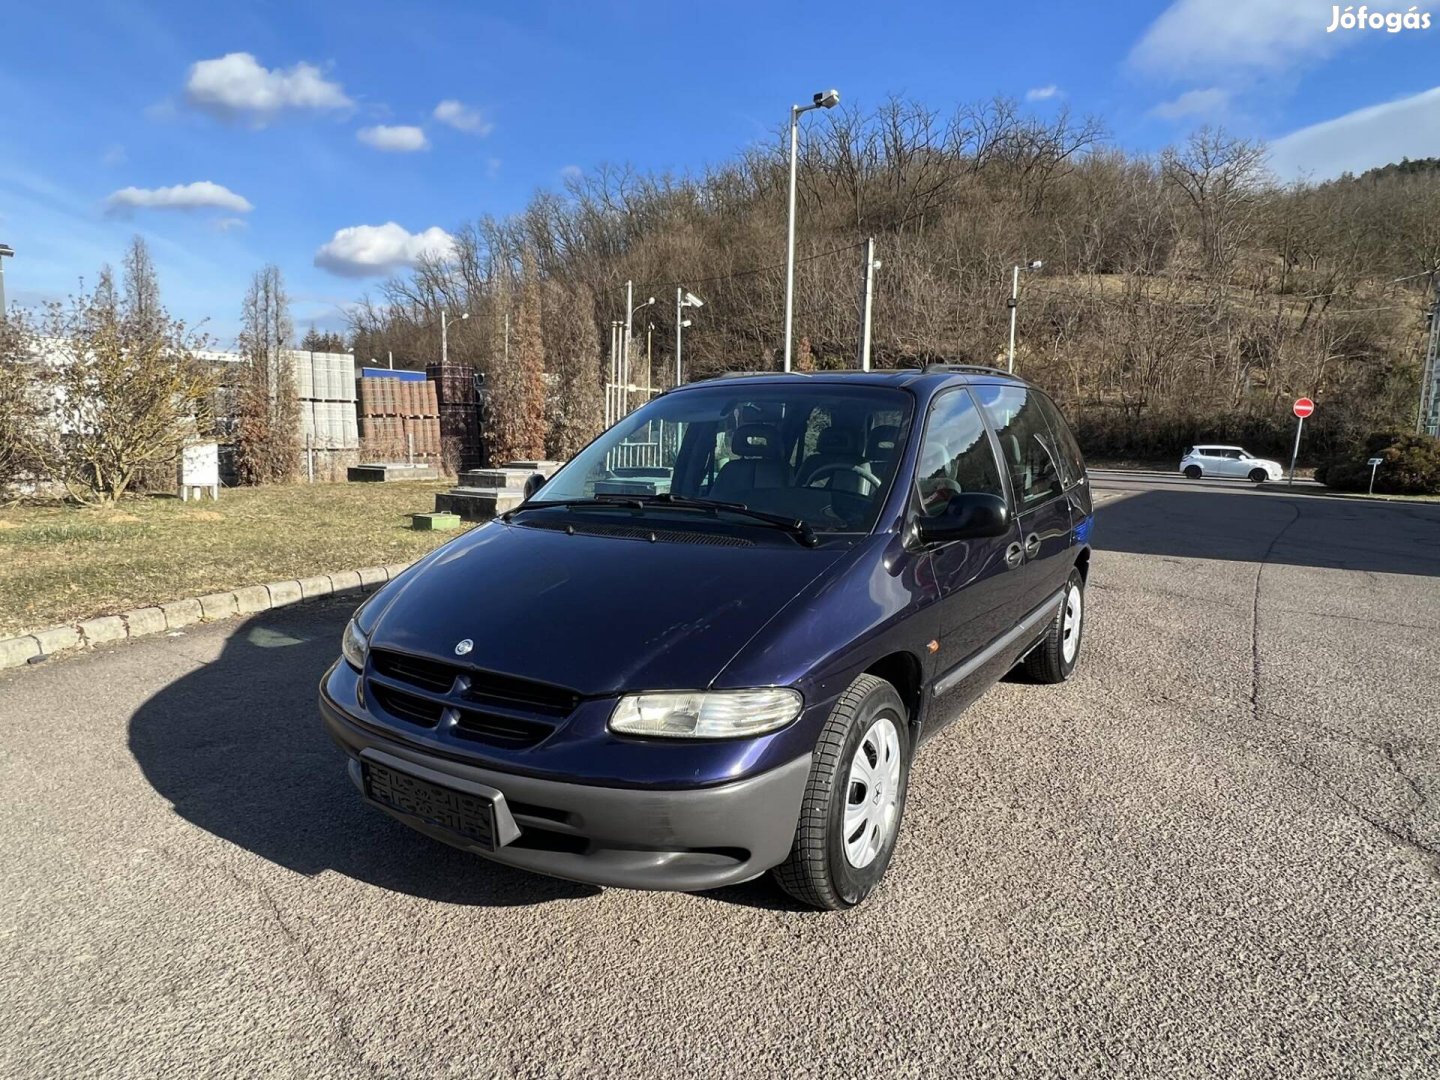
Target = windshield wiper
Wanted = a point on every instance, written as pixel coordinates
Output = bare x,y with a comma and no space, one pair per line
797,527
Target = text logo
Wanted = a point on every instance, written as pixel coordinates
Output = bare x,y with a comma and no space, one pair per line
1362,18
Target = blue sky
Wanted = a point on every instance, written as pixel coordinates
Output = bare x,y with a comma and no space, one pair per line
295,133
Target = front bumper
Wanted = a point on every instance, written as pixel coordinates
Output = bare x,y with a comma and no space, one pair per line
684,839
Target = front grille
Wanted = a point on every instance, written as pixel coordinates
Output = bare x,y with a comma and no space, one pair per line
488,707
502,730
428,674
411,707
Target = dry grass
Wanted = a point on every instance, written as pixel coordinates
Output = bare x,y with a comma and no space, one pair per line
60,564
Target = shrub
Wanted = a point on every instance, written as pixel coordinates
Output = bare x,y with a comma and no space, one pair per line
1411,465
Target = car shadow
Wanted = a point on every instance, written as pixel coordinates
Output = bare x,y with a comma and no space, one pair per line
1260,526
237,748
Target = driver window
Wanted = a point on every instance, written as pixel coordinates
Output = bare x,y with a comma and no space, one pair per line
955,455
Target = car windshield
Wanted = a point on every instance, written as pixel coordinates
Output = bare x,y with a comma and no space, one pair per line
817,452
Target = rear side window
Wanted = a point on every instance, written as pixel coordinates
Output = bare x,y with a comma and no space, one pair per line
1026,443
1072,462
955,455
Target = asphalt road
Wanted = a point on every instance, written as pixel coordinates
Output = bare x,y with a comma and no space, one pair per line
1215,852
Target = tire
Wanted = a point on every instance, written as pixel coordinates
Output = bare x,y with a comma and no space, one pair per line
1055,658
1192,472
826,869
1258,476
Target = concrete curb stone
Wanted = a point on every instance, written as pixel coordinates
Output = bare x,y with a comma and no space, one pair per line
160,618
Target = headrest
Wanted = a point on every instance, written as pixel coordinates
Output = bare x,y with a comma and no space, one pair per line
755,441
883,440
837,440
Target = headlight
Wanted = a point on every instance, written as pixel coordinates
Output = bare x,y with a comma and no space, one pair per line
354,645
717,714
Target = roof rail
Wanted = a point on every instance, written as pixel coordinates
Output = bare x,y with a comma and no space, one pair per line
964,368
748,374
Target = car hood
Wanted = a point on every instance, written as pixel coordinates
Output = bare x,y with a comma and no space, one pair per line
597,614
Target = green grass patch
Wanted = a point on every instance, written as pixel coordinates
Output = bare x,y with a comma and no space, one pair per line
60,564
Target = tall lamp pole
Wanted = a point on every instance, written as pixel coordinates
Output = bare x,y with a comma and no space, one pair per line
826,99
6,252
625,378
1015,301
445,334
683,300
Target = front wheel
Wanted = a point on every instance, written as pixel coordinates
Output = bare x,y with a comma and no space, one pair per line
854,799
1258,476
1054,659
1192,472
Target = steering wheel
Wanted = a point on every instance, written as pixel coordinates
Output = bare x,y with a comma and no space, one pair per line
825,471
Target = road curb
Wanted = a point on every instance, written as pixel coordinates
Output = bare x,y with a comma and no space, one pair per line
213,607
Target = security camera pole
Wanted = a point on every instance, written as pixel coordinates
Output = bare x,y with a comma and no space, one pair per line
683,300
1015,301
826,99
6,251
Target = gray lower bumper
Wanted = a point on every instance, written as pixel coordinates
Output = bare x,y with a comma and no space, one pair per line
684,840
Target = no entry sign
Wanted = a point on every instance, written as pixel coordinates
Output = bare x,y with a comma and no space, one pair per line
1303,407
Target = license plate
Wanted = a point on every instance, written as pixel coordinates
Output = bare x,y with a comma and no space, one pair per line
471,816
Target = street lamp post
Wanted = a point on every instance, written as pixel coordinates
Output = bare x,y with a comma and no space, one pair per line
6,252
445,334
826,99
1014,302
625,345
683,300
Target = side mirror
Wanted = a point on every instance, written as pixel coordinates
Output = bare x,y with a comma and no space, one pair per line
533,483
970,515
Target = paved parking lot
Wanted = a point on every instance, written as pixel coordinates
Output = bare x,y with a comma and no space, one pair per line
1216,850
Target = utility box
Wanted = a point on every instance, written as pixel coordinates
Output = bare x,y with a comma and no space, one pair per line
200,470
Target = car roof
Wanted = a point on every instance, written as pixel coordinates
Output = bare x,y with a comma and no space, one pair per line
924,381
1217,446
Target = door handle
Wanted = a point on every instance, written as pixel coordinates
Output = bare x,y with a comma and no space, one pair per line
1014,555
1032,545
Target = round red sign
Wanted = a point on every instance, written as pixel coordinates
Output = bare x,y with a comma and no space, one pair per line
1304,407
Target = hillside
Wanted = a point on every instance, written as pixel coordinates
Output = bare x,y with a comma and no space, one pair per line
1183,294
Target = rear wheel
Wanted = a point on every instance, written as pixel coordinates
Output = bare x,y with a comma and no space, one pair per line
1258,476
854,800
1192,472
1054,659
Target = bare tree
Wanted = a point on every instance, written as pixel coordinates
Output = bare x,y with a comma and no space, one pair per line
127,389
267,405
572,352
517,397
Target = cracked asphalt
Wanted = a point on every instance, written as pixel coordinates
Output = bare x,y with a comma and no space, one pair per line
1215,852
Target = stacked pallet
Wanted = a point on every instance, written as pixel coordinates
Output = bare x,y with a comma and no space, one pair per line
325,385
399,416
460,402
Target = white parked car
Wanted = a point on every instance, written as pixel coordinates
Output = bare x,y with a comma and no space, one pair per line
1231,462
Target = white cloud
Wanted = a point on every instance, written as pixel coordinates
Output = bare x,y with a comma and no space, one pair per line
114,155
201,195
398,139
1194,103
1204,37
463,118
1376,135
230,223
374,250
237,85
1042,93
571,172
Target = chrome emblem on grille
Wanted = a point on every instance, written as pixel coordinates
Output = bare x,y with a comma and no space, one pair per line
464,647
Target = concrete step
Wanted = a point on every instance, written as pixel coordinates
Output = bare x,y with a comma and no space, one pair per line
546,468
380,473
495,478
434,522
478,504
